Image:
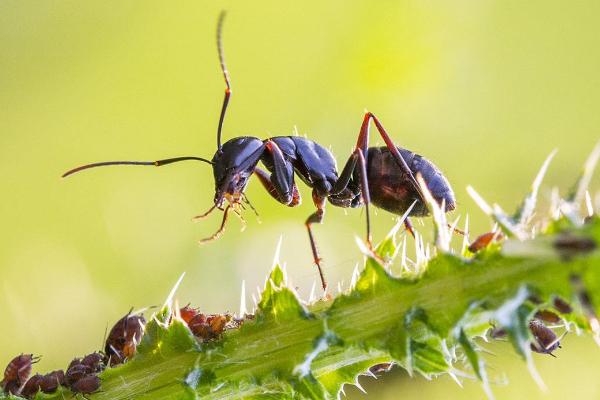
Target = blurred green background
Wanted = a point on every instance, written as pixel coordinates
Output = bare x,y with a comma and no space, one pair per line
486,89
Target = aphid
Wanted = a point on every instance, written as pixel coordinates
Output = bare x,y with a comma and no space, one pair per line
562,306
484,241
76,371
379,369
546,340
548,316
496,332
86,385
569,245
187,313
123,338
51,381
17,372
384,176
32,386
94,361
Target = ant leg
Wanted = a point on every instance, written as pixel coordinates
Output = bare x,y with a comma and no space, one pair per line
282,171
363,139
365,191
346,175
316,217
265,179
218,233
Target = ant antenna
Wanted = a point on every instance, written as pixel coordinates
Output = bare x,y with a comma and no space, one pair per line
225,75
157,163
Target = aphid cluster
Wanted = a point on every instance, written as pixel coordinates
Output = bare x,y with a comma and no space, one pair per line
207,326
81,376
384,176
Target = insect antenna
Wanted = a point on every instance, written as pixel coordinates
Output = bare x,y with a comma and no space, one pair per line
225,75
157,163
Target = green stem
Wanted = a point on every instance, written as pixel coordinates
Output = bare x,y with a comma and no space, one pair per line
292,351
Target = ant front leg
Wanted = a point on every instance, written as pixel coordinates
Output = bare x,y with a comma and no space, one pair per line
280,183
316,217
265,179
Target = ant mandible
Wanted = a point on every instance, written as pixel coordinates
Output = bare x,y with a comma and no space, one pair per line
384,176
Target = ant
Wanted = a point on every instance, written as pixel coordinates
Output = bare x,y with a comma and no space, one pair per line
384,176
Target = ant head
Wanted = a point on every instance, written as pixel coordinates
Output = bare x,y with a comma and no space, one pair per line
233,164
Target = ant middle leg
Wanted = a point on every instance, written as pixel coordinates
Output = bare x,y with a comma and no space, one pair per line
316,218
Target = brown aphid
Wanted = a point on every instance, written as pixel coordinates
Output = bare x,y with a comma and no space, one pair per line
548,316
51,381
546,340
569,245
94,361
208,327
17,372
199,326
484,241
32,386
187,313
378,369
86,385
217,323
76,372
124,337
562,306
496,332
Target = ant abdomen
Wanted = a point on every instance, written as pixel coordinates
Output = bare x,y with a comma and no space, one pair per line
391,188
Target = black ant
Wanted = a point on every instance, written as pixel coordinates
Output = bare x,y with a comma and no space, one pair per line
384,176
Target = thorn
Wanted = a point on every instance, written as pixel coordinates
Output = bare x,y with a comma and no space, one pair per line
364,248
465,243
312,297
400,221
370,373
355,275
485,207
525,212
537,378
555,203
586,175
455,378
359,387
243,310
169,300
442,238
588,203
452,228
277,251
497,214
